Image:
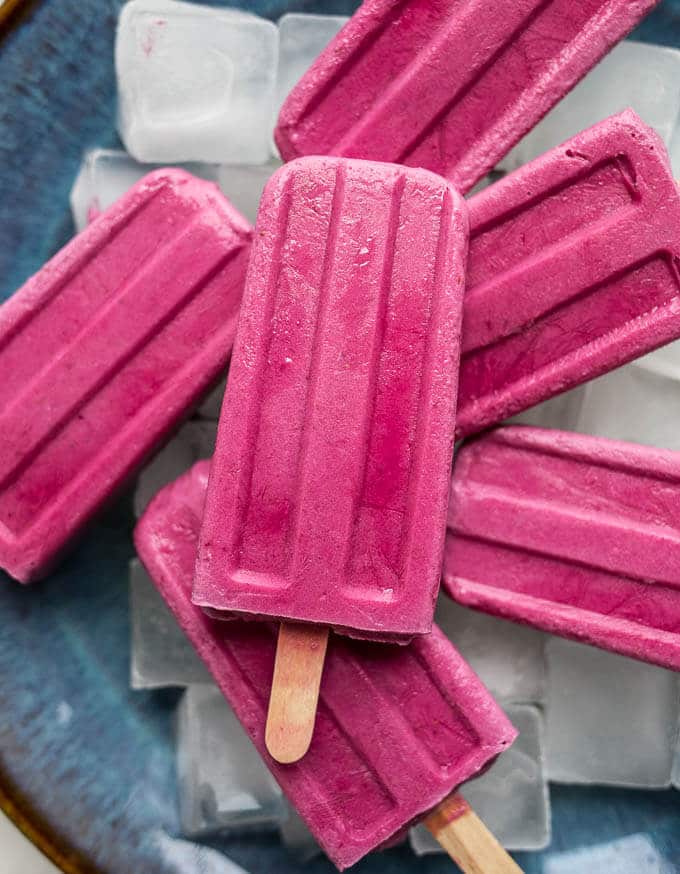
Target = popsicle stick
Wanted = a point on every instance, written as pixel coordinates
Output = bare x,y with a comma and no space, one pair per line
300,655
467,840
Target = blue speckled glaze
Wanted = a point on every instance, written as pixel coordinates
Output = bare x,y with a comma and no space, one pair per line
96,760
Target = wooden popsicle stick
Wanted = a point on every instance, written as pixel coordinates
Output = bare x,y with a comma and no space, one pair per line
467,840
300,654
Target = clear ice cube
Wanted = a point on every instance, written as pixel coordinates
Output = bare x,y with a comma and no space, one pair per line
223,783
634,854
106,174
195,83
639,403
298,838
508,657
195,440
512,797
634,74
160,653
301,38
610,720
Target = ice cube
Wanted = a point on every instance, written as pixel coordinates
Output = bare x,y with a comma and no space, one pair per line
639,403
634,74
508,657
298,838
195,83
223,783
609,719
195,440
665,361
243,184
512,797
559,412
106,174
301,38
160,653
675,774
177,855
634,854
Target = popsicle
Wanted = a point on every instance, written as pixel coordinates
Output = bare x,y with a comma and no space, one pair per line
447,86
573,270
399,728
105,350
328,493
576,535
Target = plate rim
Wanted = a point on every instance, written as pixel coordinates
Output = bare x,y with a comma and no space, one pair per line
21,813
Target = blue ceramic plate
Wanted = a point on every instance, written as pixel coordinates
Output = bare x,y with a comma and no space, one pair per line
86,766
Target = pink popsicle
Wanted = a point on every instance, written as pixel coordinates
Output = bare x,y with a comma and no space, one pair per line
573,270
328,493
576,535
447,86
398,729
105,350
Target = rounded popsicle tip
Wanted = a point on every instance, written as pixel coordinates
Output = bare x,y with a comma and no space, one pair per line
300,656
285,744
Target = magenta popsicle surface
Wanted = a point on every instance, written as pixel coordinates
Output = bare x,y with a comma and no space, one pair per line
573,270
104,351
397,729
447,86
579,536
328,491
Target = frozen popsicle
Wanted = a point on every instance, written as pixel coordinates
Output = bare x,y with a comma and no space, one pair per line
104,351
328,492
573,270
579,536
447,86
399,728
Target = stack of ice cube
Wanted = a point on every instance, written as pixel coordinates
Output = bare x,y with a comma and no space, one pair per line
199,86
224,786
197,83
